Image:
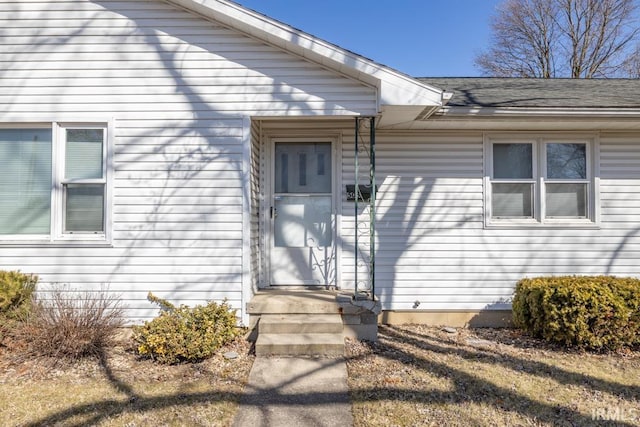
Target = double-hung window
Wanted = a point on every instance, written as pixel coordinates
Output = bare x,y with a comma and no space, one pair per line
53,183
540,181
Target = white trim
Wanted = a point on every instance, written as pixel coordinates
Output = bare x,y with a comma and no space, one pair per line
247,291
337,196
58,232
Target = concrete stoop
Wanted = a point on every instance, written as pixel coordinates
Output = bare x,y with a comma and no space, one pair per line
309,323
300,335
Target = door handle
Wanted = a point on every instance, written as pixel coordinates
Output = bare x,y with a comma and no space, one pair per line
273,212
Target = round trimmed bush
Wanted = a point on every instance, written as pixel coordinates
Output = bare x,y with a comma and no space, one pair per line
591,312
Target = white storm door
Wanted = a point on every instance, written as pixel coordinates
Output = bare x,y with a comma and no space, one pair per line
302,215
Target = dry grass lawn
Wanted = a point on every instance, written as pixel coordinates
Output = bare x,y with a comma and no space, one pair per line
414,376
123,390
418,375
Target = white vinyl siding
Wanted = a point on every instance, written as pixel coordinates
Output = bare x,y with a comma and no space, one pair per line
432,245
147,59
178,89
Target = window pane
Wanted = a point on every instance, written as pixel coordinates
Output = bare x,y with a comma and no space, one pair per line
84,208
513,161
84,154
303,167
25,181
512,200
303,221
567,161
566,200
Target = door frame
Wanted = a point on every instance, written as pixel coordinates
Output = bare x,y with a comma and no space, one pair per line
268,177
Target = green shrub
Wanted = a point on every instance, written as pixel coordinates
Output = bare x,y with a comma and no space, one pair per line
185,334
590,312
16,290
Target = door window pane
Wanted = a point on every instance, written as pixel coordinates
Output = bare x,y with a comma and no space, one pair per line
303,167
84,154
566,200
512,161
25,181
302,221
512,200
84,207
567,161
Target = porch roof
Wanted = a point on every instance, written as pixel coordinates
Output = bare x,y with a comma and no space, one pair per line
400,96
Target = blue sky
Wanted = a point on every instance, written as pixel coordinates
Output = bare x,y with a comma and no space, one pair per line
424,38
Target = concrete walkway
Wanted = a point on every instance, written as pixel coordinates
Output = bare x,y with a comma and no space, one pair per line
296,391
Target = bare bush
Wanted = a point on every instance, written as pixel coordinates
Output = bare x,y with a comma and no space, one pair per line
69,324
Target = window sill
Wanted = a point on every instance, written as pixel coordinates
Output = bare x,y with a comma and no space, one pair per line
33,243
537,225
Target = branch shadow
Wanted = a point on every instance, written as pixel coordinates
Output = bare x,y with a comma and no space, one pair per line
262,398
490,394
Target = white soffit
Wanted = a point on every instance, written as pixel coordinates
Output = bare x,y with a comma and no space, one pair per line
395,88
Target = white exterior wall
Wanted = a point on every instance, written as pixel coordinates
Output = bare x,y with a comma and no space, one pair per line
433,246
178,89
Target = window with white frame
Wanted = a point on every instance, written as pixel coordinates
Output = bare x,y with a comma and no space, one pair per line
53,182
540,181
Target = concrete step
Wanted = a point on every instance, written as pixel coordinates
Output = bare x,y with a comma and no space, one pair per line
291,302
300,324
300,344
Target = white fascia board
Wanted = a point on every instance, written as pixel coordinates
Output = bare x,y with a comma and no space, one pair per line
394,88
521,122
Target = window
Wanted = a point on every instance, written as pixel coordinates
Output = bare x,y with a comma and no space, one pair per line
84,181
53,183
539,181
566,194
25,181
513,185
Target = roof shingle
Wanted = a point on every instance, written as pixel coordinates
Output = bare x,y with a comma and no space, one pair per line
542,93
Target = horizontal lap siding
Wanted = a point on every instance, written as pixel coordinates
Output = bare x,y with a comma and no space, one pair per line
432,244
177,87
147,58
620,200
429,202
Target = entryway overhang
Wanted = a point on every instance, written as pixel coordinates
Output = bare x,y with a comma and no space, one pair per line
400,98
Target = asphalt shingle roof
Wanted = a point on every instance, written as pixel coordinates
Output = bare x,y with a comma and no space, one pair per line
543,93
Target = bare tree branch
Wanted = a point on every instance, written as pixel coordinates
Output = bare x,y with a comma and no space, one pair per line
562,38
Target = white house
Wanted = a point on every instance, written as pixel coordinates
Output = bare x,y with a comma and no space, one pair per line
200,150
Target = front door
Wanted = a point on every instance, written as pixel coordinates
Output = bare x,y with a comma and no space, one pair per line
302,215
